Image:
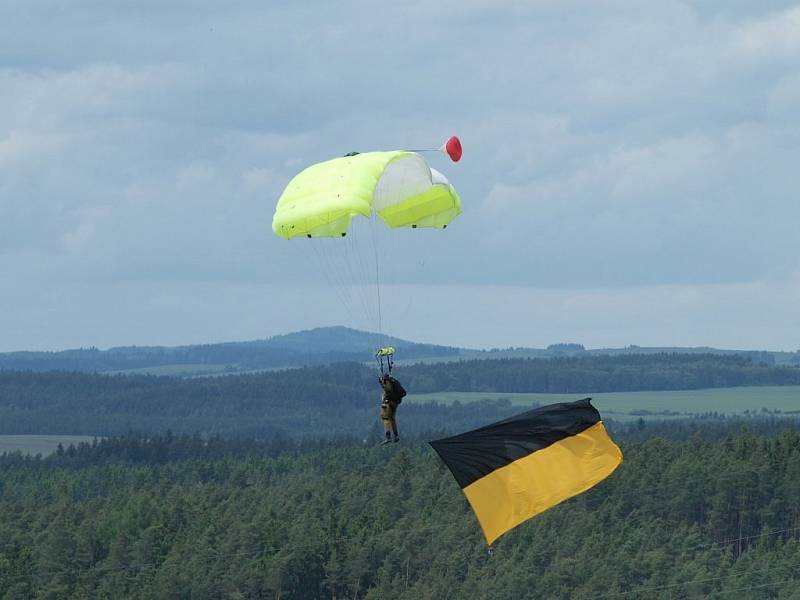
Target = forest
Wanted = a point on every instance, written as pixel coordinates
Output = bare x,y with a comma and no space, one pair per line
186,517
271,485
340,398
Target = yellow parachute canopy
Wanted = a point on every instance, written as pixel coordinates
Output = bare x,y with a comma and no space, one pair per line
398,186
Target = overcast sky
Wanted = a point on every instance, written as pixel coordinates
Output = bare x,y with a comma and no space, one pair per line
630,172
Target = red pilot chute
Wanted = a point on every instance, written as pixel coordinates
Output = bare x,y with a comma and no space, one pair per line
452,148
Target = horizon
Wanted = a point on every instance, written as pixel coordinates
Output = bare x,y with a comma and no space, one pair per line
385,334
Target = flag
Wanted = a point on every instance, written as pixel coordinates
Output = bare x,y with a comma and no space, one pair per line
515,469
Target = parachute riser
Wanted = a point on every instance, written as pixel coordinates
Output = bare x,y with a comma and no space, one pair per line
388,354
386,368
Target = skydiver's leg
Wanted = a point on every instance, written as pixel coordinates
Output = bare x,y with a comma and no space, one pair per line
394,425
387,433
386,419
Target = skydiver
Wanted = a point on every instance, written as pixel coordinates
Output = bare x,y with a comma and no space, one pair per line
391,397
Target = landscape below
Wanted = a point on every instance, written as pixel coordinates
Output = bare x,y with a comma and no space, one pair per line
270,483
715,515
343,398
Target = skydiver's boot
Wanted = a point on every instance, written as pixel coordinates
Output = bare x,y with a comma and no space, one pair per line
388,439
396,435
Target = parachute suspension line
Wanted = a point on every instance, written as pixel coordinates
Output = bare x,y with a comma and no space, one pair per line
373,218
340,250
379,358
358,248
326,257
331,274
357,292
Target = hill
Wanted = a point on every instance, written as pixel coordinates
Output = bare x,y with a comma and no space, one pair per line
320,346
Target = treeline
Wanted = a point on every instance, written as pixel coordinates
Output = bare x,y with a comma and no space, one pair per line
180,517
162,448
330,401
603,373
295,401
341,398
227,357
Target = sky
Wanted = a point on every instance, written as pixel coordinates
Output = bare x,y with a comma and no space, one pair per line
630,170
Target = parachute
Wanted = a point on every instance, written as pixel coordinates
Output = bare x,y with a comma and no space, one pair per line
398,186
325,201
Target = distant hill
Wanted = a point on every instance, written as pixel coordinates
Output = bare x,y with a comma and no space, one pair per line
321,346
324,345
334,340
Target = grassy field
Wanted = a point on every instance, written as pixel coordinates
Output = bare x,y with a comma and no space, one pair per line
39,444
190,371
632,405
183,370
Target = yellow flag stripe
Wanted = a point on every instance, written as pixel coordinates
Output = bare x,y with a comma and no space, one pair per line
530,485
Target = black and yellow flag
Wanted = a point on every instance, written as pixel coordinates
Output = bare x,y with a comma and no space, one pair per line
515,469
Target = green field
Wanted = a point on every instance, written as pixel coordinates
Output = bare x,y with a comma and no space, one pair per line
39,444
189,371
670,404
181,370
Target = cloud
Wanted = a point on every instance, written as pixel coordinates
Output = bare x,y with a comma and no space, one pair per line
606,144
784,99
774,36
